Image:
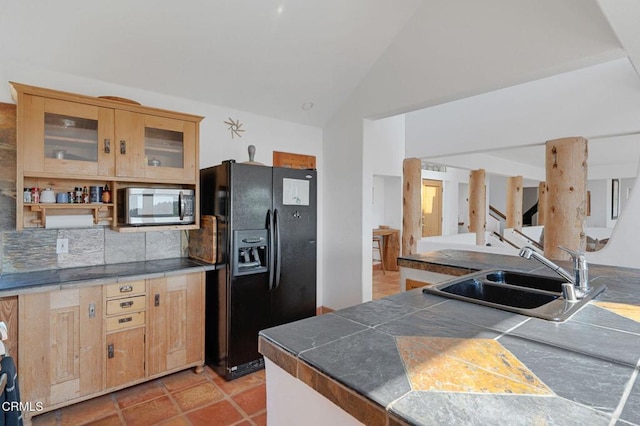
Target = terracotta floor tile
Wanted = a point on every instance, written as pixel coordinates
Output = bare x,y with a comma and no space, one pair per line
150,412
260,419
88,411
253,400
139,394
46,419
182,379
221,413
176,421
113,420
197,396
240,384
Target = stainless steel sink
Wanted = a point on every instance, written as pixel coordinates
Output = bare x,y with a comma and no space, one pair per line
526,294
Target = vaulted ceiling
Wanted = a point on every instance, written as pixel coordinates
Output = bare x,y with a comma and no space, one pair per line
301,60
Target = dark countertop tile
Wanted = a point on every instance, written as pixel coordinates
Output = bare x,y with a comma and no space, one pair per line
574,376
416,299
311,332
482,316
427,323
13,283
438,408
603,343
631,411
597,316
375,312
367,362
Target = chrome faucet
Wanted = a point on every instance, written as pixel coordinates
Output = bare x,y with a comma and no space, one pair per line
579,280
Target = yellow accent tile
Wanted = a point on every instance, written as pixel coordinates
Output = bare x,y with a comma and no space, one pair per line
466,365
631,312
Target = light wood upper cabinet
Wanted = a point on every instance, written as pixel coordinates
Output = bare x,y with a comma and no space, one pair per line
66,138
175,330
155,147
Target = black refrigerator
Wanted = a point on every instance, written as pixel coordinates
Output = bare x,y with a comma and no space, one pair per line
266,258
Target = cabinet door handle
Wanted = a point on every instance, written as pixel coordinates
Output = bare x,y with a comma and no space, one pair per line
110,351
123,147
126,304
92,310
107,146
126,288
156,300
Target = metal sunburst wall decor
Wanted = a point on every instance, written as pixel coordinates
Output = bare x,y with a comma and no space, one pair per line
234,127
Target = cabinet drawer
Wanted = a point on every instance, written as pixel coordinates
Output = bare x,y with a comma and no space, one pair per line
125,321
125,289
127,304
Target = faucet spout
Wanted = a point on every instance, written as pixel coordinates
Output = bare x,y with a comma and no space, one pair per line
579,279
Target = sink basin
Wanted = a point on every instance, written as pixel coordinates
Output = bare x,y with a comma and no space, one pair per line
503,295
526,294
522,279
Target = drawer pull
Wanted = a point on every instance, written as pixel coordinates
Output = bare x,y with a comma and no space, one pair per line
126,304
123,320
126,288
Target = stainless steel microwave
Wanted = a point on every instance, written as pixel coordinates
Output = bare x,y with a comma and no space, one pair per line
155,206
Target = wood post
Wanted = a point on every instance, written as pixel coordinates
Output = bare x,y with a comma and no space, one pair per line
565,212
478,205
514,203
411,206
542,202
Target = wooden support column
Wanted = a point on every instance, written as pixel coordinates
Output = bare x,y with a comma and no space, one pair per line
514,203
542,202
411,206
478,205
565,212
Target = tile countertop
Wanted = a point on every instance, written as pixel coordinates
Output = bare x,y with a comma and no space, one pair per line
422,359
47,280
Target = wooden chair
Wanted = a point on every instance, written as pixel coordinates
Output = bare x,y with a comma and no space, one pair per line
378,244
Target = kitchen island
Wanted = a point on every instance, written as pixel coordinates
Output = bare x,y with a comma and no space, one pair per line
416,358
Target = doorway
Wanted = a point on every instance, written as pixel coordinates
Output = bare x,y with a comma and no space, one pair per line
431,208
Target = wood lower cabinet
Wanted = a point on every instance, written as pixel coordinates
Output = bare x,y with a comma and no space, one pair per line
79,343
61,335
175,335
125,357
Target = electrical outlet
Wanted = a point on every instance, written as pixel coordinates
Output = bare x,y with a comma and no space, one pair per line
62,245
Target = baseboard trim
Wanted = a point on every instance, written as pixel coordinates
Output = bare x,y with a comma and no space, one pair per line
323,310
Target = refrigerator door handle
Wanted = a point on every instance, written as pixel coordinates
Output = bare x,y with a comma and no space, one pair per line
276,223
271,248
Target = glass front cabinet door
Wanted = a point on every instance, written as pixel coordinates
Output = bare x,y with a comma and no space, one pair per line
155,147
67,138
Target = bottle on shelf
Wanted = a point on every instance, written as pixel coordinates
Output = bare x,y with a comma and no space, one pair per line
26,196
106,194
85,195
35,195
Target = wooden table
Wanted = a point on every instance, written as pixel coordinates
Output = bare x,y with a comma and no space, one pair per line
391,246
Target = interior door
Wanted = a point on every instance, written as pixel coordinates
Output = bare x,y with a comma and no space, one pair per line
431,208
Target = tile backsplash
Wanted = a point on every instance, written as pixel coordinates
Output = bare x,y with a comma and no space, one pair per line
35,249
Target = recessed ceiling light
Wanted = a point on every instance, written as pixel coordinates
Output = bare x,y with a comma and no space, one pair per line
307,106
280,9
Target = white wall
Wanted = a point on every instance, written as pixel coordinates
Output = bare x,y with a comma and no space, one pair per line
599,206
216,144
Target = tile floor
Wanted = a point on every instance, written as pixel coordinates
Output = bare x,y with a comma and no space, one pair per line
385,284
186,398
183,398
